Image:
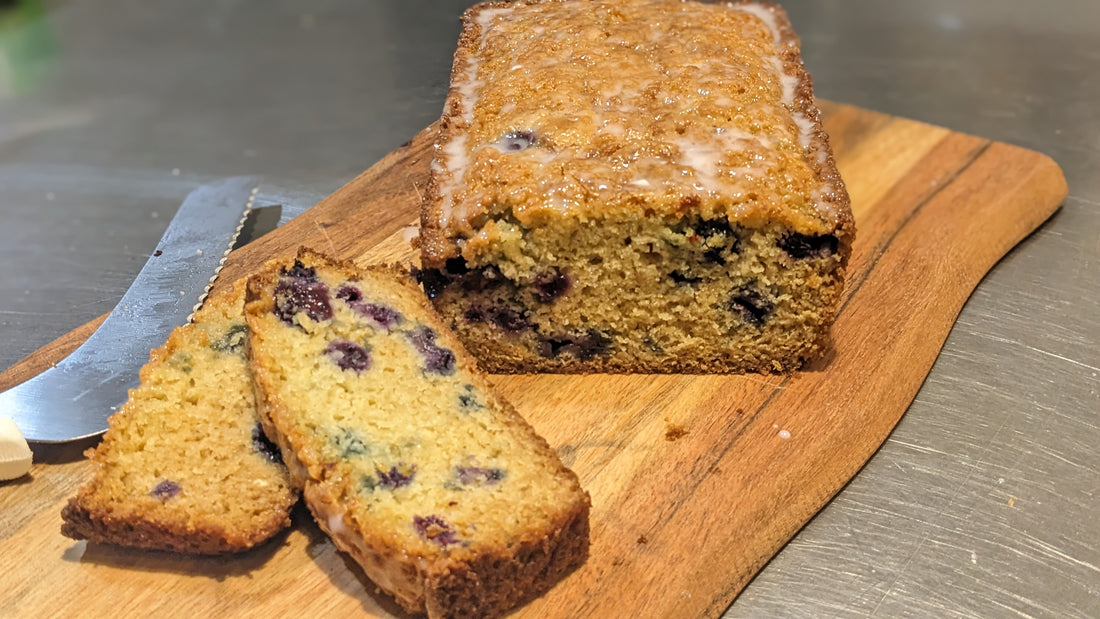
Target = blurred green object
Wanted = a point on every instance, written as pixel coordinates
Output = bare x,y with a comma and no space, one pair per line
26,45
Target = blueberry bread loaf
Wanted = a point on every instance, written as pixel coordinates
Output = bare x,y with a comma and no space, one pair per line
633,186
185,465
442,493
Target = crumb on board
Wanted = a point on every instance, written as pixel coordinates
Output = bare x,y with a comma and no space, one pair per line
674,432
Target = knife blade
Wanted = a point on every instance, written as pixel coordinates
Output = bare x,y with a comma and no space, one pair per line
73,399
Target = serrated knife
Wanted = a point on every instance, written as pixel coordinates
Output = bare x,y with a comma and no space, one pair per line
73,399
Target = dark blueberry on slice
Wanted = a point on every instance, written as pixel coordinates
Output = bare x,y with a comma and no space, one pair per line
482,278
435,529
707,228
183,361
348,355
367,483
752,305
264,446
165,490
589,345
475,314
681,278
583,346
476,475
515,141
232,341
300,271
456,266
349,294
437,359
551,285
653,345
301,294
382,315
397,476
433,281
714,256
348,444
809,246
509,319
552,347
469,401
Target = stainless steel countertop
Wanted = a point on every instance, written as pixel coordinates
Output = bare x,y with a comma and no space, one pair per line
984,500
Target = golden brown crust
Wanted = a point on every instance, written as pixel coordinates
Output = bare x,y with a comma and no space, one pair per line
531,569
84,519
820,153
457,201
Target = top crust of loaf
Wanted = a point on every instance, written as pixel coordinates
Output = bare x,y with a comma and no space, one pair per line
590,109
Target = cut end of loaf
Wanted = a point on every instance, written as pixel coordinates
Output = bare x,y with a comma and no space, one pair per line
696,296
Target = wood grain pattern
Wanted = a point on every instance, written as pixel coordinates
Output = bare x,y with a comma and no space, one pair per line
696,481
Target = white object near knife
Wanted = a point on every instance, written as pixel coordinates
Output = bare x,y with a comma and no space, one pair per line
15,453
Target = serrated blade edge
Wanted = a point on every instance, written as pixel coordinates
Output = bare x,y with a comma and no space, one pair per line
225,254
73,399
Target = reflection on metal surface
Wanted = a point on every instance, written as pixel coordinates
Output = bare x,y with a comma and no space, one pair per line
73,399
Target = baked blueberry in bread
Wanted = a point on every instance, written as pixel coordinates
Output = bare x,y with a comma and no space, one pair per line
442,493
634,186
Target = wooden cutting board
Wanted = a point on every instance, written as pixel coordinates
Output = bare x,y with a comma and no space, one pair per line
696,481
